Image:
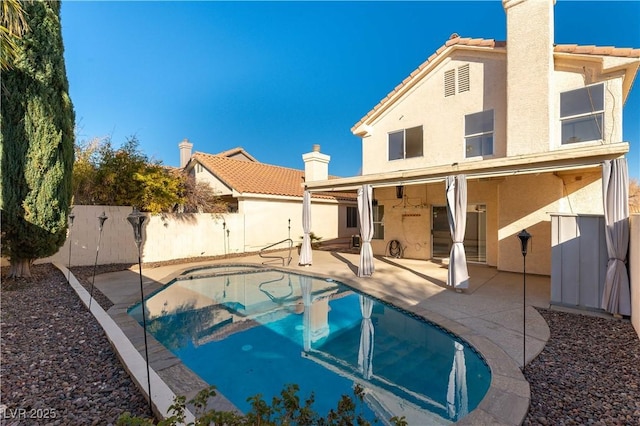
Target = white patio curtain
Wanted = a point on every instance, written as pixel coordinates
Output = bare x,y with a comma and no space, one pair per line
616,297
457,393
366,230
305,288
456,188
365,351
306,256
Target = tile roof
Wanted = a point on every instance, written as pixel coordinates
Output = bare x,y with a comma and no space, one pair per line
491,44
259,178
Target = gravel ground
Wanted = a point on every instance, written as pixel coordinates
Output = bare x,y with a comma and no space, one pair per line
57,366
56,361
587,374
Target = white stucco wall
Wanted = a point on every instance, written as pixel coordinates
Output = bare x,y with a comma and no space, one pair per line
267,221
203,175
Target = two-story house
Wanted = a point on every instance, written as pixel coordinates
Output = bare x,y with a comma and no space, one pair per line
528,123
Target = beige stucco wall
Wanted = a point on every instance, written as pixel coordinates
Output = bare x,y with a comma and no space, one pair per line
410,221
426,105
512,203
444,144
525,202
634,269
529,81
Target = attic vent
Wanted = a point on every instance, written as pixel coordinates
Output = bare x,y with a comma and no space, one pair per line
449,83
463,79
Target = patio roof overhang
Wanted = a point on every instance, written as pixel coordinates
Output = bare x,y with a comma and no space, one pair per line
548,162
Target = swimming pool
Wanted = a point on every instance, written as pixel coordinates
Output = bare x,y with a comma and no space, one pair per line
250,330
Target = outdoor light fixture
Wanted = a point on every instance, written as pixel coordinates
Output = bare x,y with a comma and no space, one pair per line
524,241
136,219
101,220
399,191
224,241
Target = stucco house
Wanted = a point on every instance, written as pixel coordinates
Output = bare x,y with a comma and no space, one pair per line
527,123
270,197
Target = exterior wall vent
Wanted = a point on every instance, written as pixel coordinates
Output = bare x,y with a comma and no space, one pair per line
463,79
449,83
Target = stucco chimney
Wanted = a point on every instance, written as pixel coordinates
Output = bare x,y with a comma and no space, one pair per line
185,152
316,165
530,38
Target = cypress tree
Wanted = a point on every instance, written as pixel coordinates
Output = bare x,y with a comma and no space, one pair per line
37,142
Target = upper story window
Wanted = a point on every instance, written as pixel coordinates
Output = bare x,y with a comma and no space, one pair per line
406,143
478,134
581,114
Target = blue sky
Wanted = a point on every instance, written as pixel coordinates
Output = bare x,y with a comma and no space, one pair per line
278,77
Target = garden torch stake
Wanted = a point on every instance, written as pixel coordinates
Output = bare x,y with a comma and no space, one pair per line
71,217
101,219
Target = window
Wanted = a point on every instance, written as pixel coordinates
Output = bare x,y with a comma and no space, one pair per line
352,217
405,143
478,134
581,114
378,222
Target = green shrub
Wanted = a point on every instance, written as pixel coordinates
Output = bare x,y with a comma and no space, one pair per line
284,410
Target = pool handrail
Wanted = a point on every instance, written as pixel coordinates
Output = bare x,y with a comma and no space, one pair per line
260,253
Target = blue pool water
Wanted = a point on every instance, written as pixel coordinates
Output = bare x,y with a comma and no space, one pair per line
251,331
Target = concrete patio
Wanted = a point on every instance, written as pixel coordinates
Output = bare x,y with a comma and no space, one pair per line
488,315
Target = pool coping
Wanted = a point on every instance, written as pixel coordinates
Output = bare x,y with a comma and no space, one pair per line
505,403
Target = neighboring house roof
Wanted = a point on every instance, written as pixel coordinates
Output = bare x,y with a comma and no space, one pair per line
456,42
248,177
238,153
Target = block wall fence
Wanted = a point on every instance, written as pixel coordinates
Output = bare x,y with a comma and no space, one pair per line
165,237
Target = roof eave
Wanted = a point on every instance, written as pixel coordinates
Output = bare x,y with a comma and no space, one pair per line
587,156
628,67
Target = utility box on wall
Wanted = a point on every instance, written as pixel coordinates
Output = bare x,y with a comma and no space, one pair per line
578,260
